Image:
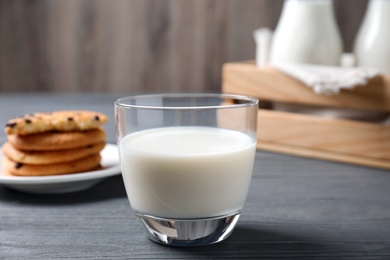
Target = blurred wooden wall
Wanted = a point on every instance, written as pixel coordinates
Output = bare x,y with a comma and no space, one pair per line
127,46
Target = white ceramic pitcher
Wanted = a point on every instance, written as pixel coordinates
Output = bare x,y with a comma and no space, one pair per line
306,33
372,44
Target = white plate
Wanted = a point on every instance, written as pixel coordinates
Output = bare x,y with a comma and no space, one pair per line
68,182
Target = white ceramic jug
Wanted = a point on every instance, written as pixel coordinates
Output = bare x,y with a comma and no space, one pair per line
307,32
372,44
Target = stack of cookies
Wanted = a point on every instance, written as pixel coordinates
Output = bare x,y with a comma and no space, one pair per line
53,143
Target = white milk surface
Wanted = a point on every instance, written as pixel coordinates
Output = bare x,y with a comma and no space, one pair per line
187,172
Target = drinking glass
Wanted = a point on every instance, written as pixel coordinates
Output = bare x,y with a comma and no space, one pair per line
187,162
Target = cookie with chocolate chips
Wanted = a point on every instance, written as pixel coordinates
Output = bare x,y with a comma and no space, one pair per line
63,121
50,157
88,163
54,141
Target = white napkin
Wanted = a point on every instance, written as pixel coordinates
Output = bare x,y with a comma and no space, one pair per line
322,79
328,79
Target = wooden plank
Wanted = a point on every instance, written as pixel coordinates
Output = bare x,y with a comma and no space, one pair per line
323,155
126,46
339,140
270,84
329,135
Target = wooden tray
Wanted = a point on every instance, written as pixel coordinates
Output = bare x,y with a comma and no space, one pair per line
342,140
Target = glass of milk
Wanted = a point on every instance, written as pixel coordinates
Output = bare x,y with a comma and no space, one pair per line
187,162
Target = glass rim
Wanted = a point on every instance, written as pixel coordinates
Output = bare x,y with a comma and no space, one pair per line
252,101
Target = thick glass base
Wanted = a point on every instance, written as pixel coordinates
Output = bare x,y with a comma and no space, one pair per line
189,232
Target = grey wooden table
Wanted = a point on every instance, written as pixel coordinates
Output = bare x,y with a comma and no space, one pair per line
296,209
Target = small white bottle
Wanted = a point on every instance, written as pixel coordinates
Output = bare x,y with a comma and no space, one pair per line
307,32
372,44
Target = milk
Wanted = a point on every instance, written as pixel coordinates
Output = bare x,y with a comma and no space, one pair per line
307,33
187,172
372,44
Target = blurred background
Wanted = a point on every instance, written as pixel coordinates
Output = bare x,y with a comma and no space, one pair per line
121,46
